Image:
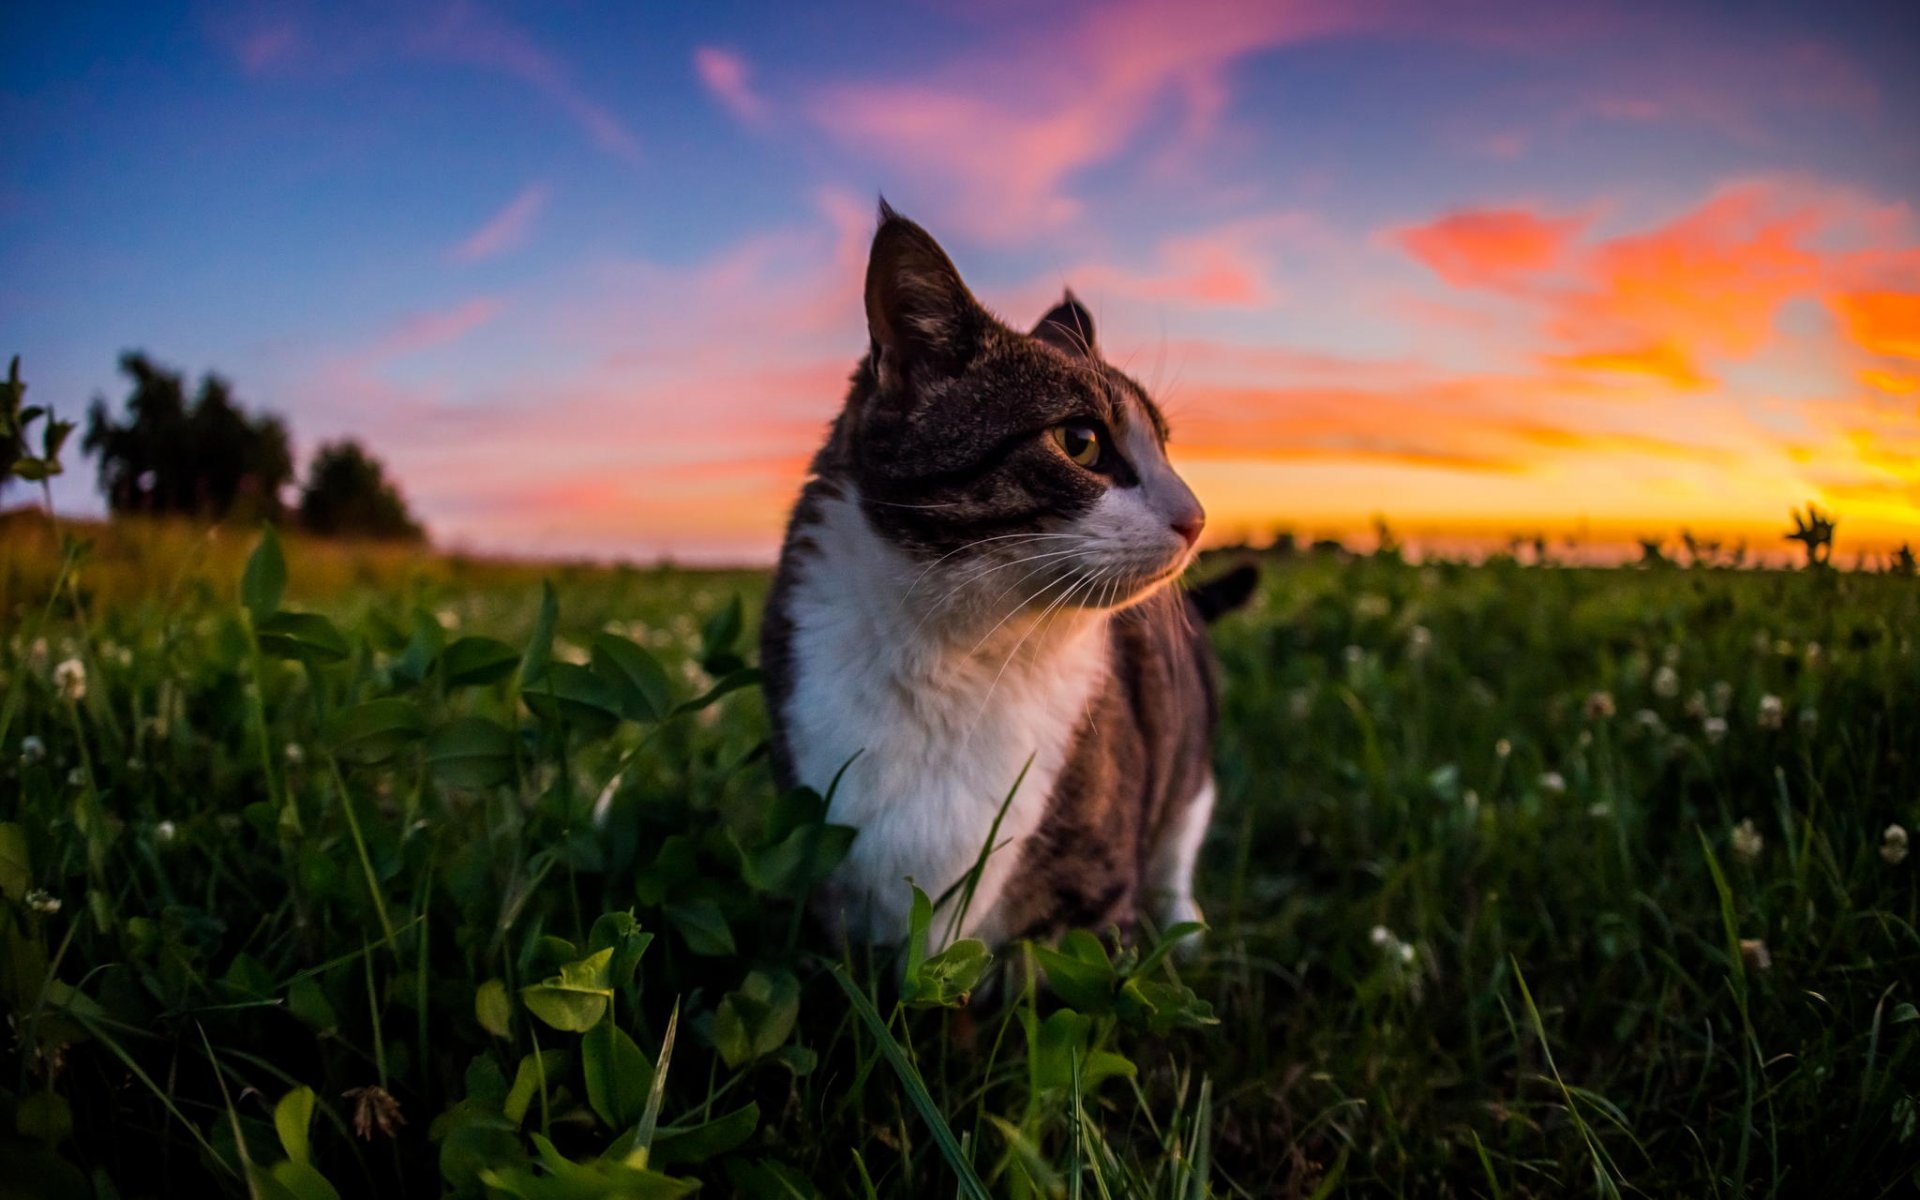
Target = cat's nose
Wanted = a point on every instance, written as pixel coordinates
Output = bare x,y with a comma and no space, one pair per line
1189,525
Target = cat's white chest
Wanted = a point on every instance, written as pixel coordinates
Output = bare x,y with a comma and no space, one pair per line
934,731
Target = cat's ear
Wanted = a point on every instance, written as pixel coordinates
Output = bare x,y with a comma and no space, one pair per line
1068,327
918,308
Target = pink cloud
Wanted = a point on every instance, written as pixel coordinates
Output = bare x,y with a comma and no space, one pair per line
260,49
726,75
1001,133
505,230
430,330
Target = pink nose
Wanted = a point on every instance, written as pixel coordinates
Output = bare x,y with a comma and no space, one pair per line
1190,527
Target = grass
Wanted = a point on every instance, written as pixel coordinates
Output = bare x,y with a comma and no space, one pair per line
449,886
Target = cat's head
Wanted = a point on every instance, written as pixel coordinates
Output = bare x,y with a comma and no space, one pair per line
1020,467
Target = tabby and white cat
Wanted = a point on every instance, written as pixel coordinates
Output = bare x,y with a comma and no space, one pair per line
975,620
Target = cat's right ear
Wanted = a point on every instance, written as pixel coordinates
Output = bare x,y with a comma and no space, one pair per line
1068,327
918,308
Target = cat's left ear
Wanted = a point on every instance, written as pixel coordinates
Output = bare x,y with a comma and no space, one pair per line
1068,327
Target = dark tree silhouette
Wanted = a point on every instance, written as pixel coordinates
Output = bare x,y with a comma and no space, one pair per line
347,495
206,459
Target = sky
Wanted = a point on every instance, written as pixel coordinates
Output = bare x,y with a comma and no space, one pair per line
587,276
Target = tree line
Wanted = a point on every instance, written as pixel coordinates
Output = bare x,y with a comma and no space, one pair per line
208,457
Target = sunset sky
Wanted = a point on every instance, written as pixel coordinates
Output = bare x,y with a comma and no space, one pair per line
587,275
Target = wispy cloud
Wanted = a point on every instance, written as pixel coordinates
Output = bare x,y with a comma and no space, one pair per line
1001,131
430,330
505,230
728,78
463,32
280,37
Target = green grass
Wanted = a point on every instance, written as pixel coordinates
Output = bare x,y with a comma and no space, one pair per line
1481,921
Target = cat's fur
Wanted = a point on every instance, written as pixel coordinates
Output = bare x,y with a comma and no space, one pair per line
960,609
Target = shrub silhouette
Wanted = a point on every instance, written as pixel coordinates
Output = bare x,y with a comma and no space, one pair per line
1814,530
347,494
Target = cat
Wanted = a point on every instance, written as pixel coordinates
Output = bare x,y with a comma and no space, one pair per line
975,633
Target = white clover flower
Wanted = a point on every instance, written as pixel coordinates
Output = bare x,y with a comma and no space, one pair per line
43,902
164,833
1770,713
568,652
1419,641
1353,655
1666,683
1747,842
1671,655
1300,703
1382,936
1755,953
1648,720
1600,810
448,618
1503,748
1599,706
1813,654
76,778
1470,800
295,754
70,680
1893,845
1553,783
32,750
1809,719
1585,739
39,653
1696,706
1406,953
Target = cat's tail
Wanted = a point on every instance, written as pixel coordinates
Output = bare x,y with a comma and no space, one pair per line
1222,594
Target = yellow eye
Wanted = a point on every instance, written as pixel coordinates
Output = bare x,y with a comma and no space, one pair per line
1079,442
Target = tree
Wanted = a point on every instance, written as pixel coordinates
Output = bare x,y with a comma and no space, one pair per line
203,459
347,495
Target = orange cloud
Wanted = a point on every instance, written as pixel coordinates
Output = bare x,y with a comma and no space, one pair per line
1664,361
1882,322
1657,304
1491,248
1711,280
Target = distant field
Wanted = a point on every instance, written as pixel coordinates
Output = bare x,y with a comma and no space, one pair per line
1526,881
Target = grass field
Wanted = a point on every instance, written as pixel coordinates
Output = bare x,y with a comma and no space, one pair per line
409,877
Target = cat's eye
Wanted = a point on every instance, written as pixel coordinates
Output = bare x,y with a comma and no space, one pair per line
1079,442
